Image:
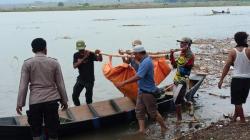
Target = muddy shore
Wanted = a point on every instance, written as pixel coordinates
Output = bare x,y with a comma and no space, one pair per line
221,130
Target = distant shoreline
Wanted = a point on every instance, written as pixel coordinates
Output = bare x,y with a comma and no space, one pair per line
87,6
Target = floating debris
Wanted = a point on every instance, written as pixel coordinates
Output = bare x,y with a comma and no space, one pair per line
104,19
25,28
221,96
132,25
14,64
211,59
64,37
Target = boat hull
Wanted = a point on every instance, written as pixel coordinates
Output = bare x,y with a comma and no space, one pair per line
102,115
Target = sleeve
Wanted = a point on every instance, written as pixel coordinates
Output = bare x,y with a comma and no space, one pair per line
142,70
23,85
190,62
75,58
172,60
60,84
93,56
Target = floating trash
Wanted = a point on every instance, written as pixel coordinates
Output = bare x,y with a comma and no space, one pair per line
105,19
133,25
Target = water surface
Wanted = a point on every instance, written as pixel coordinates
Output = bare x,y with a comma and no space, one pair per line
110,30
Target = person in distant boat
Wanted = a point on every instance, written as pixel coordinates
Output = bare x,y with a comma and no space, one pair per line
129,60
183,64
84,61
146,102
239,58
44,78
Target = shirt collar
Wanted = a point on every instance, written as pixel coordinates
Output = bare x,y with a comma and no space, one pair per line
144,58
40,54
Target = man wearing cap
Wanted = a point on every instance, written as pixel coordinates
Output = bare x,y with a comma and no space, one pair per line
44,78
130,60
146,102
183,64
84,61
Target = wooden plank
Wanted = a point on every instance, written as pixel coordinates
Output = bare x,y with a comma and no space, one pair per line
103,108
125,103
81,113
22,120
70,115
63,114
66,114
115,106
93,111
16,120
169,93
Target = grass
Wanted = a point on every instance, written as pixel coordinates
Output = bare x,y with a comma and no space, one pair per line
128,6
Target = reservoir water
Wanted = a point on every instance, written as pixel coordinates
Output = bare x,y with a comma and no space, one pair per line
109,30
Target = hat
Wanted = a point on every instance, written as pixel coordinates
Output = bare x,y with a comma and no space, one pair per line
80,45
136,42
138,49
185,40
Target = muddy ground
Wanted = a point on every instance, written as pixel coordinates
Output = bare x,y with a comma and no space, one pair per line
221,130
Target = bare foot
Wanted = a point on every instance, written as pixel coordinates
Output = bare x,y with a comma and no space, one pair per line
243,121
190,109
141,132
164,130
178,122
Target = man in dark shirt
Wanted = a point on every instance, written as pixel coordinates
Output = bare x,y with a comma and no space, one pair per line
84,61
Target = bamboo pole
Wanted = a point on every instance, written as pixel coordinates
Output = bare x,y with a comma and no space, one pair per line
128,54
151,54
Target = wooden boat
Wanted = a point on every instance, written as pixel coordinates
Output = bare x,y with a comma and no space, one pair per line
221,12
93,116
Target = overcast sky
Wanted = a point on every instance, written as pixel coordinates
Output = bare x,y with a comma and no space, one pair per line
24,1
31,1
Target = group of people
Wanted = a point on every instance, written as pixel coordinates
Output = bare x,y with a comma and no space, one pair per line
142,63
44,77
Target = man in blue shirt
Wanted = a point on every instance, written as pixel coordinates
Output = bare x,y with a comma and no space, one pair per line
130,60
146,102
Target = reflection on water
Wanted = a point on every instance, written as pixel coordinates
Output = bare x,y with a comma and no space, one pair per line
103,29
